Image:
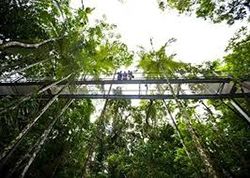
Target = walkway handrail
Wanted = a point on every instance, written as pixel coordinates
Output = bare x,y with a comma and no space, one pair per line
136,81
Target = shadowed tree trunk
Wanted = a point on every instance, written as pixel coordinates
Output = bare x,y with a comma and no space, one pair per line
181,137
208,162
8,151
177,129
44,138
92,145
222,140
39,142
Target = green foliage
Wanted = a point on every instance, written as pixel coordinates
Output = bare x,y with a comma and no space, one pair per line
218,11
153,63
237,63
76,45
152,139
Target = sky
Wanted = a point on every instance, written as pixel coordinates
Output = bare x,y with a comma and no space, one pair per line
139,20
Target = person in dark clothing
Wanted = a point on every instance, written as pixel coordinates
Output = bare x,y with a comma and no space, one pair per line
119,75
124,76
130,75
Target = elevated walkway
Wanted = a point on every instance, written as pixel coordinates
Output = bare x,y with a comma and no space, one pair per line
195,88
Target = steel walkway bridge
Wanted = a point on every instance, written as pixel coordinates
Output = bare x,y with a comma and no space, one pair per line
195,88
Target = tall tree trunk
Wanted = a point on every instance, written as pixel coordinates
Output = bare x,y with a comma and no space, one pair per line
8,151
89,154
177,130
44,138
20,161
181,138
37,144
222,140
212,171
203,154
92,145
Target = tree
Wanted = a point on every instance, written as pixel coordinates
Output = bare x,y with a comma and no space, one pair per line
236,63
55,137
218,11
71,47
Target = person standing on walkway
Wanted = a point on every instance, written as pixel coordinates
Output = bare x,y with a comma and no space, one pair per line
130,75
124,76
119,75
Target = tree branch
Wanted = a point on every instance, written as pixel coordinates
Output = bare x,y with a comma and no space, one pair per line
12,44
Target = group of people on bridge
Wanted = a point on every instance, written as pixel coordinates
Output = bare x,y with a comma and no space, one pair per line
125,75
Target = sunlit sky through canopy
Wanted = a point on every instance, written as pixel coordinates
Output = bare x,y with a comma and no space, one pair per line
139,20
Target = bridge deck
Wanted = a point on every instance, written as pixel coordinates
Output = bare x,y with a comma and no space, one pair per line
196,88
105,82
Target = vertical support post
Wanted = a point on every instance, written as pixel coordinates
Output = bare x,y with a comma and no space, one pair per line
139,88
178,89
237,106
